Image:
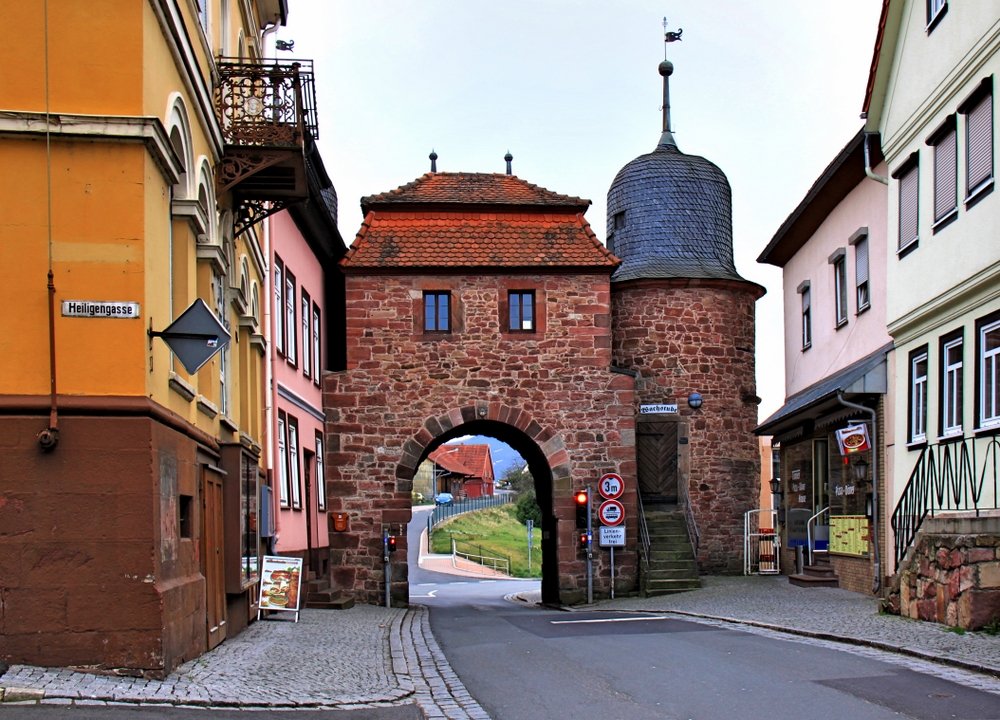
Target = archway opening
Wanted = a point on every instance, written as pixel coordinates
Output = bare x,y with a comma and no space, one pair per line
538,466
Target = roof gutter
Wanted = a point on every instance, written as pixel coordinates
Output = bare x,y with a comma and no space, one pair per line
868,163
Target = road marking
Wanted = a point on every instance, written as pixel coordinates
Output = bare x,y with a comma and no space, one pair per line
458,583
430,595
486,581
608,620
426,584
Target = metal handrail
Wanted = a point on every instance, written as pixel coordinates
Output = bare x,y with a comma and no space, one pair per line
945,478
643,532
809,543
478,560
692,526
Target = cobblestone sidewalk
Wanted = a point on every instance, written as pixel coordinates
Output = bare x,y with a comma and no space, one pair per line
823,613
363,657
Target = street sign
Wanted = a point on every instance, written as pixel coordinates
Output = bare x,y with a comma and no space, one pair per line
666,409
100,309
611,486
611,512
612,536
195,336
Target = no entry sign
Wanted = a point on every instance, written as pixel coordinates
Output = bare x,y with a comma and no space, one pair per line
611,486
611,512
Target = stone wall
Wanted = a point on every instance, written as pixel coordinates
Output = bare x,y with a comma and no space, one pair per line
951,579
683,337
405,391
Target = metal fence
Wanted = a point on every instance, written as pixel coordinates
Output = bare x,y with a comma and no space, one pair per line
761,544
459,507
466,556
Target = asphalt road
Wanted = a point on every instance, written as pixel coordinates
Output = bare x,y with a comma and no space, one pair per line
527,663
149,712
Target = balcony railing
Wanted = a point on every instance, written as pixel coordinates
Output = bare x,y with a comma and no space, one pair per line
954,476
267,112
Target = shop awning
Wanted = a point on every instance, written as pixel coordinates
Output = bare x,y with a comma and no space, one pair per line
802,411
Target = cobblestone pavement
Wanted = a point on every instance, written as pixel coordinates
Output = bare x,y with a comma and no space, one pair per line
363,657
826,614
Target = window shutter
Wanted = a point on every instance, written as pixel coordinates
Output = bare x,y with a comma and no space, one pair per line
861,262
945,175
979,125
908,207
805,299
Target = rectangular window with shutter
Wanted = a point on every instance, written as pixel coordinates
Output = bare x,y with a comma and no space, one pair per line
861,273
909,187
978,111
317,346
806,315
945,142
839,262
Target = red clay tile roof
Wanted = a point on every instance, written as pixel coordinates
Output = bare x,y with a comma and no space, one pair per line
472,460
477,240
472,189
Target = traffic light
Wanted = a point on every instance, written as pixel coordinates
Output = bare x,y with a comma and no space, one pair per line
392,543
583,541
582,509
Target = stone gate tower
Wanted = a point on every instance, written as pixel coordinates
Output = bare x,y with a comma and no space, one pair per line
683,322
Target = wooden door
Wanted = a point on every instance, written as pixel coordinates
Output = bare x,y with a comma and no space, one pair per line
656,460
212,556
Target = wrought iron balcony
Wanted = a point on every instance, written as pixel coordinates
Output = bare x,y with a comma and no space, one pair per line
267,112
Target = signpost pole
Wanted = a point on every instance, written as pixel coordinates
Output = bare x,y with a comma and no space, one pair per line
612,572
590,551
531,524
385,557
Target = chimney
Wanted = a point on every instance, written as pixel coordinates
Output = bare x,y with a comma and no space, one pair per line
508,157
434,161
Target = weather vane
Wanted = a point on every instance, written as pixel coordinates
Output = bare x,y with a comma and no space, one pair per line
669,37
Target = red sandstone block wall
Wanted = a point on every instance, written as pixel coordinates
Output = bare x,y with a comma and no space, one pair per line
700,339
404,389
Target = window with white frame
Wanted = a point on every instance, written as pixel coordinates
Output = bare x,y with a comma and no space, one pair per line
279,304
291,343
282,460
988,350
918,396
945,142
935,9
909,187
978,111
219,291
294,471
317,346
861,274
320,475
804,291
839,262
951,387
306,344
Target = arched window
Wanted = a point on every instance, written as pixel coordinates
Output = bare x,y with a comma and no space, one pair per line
179,132
244,276
255,302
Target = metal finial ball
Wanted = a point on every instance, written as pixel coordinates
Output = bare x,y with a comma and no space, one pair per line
508,157
666,68
433,155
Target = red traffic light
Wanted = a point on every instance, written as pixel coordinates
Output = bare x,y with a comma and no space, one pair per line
392,544
581,498
583,541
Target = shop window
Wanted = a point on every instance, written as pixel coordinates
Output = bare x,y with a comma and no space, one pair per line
320,474
291,341
978,111
249,535
951,384
945,142
185,507
279,304
804,291
306,344
988,371
775,463
282,460
522,310
908,177
294,468
917,402
437,312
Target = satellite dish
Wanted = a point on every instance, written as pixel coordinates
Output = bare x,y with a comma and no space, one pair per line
195,336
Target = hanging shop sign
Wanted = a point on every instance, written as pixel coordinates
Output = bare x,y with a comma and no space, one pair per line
100,309
281,581
669,409
853,439
611,486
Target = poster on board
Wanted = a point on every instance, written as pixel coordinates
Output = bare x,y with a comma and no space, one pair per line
280,583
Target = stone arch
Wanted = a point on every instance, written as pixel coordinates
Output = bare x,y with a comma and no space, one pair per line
541,447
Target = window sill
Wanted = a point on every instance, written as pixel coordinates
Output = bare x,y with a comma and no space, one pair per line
908,248
863,309
936,19
433,336
840,325
228,424
806,347
917,444
207,407
181,387
982,190
987,431
945,221
952,438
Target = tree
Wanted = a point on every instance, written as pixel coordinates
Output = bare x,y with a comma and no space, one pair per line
519,479
527,509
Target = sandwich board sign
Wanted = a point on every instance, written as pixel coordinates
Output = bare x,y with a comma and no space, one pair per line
280,585
195,336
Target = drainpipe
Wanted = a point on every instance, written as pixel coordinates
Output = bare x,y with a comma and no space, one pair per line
868,163
878,558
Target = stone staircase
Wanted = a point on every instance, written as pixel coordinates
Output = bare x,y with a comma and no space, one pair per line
320,596
672,566
819,574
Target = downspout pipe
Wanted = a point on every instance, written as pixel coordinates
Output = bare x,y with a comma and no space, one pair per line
868,162
877,587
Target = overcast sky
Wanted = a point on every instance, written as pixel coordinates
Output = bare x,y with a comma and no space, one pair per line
768,90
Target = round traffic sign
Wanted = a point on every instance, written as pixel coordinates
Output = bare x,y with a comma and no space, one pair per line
611,512
611,486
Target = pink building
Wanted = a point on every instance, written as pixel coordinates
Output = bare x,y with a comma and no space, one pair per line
306,323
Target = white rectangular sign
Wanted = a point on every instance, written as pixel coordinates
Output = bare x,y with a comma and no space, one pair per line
611,536
99,309
656,409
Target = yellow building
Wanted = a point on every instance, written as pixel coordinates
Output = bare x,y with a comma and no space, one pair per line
139,144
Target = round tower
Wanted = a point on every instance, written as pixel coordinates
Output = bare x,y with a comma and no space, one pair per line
683,320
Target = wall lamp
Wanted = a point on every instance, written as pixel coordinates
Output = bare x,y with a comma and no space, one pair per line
694,400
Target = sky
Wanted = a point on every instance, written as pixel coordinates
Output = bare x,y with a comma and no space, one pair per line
768,90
